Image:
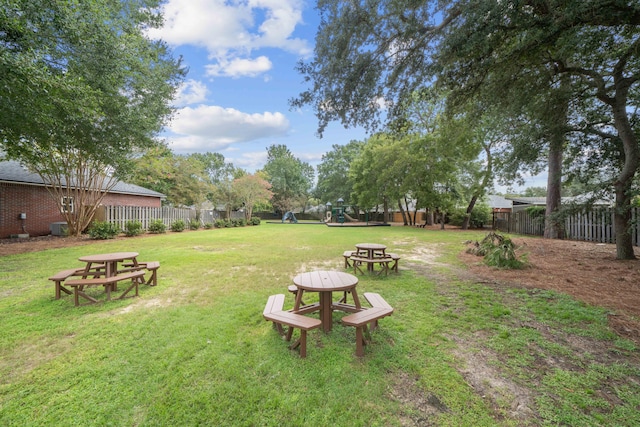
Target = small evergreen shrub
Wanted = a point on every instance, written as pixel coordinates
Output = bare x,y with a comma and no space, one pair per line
178,225
254,220
133,228
194,225
103,230
157,227
220,223
208,225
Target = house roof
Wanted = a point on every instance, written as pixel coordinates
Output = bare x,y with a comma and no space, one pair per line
13,172
536,201
498,202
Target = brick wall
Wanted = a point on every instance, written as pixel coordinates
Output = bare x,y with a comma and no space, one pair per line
41,210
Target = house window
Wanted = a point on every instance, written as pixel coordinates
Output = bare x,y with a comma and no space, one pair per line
67,204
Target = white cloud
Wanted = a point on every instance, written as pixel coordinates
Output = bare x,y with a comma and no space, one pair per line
240,67
231,30
250,161
211,128
191,92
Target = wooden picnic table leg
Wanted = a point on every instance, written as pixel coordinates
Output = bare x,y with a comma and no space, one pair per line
325,310
356,299
296,307
298,302
360,341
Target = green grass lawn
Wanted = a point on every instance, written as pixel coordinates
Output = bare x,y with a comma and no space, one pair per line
195,350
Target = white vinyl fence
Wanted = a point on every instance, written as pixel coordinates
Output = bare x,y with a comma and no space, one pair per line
119,215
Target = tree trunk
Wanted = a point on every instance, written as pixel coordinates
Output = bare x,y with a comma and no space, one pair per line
622,223
385,204
553,228
622,185
402,212
406,208
486,179
467,215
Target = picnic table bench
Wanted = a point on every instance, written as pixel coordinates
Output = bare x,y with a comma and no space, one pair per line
347,255
63,275
78,285
358,261
380,308
394,258
151,266
274,312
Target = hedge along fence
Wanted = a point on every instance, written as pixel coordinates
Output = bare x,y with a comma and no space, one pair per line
592,226
120,215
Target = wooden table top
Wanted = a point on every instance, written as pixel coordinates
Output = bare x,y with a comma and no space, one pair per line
116,256
319,281
371,246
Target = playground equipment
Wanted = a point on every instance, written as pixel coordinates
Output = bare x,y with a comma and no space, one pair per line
290,217
339,215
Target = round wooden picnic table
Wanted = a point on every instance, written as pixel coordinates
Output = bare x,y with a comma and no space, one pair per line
371,249
110,261
325,283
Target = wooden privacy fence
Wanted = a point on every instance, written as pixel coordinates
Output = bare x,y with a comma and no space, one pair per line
119,215
593,226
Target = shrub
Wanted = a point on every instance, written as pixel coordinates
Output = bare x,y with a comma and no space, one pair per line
178,225
220,223
480,215
208,226
133,228
498,251
103,230
194,224
157,227
254,220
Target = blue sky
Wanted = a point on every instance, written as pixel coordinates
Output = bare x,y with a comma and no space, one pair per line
241,56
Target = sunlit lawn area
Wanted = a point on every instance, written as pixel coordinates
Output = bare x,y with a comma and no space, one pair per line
195,350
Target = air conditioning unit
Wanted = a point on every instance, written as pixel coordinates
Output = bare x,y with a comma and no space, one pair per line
58,228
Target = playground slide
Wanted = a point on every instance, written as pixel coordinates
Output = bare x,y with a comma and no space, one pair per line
349,218
289,216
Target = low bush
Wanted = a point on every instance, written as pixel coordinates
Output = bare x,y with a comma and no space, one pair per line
194,225
254,220
178,225
133,228
498,251
103,230
238,222
157,227
480,215
208,225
